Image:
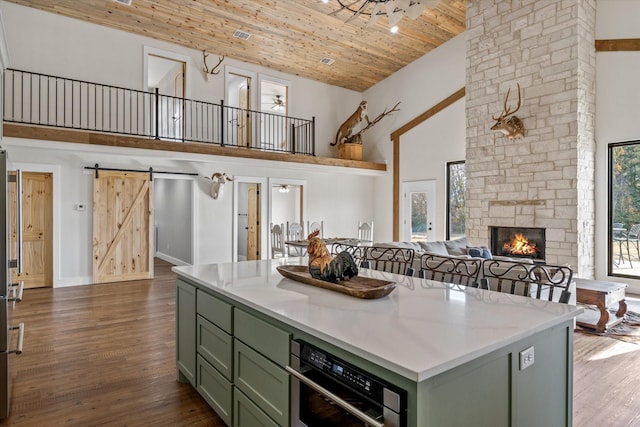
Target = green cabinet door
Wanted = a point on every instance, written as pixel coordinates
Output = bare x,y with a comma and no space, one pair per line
186,332
262,381
215,346
247,414
215,389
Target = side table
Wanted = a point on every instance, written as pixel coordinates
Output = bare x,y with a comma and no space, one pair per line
602,295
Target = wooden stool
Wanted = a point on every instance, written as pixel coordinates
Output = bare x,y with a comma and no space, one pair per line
602,295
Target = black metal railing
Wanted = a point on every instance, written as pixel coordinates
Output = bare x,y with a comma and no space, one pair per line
44,100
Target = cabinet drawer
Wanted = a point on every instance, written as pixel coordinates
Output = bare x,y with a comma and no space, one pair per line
247,414
265,383
215,389
215,346
267,339
214,310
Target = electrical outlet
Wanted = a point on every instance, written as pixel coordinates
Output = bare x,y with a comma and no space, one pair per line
527,358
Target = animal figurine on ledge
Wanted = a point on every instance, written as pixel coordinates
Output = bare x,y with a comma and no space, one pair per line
345,133
346,129
324,267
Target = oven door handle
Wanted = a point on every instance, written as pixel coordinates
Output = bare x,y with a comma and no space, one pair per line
338,400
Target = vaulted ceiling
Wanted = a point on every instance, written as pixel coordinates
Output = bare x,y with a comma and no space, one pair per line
292,36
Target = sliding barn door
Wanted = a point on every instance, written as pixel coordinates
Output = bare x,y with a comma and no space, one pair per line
122,226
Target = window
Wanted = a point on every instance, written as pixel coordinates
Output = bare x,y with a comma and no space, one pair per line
624,209
456,183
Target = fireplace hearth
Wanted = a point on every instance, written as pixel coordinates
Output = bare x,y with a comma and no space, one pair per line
518,242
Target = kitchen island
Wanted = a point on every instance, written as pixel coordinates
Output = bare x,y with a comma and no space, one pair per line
464,356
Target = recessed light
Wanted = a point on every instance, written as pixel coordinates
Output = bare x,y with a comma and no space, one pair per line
394,29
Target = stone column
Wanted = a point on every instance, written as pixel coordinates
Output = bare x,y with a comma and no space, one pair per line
545,179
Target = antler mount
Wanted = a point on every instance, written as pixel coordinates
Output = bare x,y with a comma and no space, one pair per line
506,122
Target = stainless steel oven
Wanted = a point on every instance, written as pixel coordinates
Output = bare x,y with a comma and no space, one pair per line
327,392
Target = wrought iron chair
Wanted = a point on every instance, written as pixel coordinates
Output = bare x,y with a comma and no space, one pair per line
277,240
391,260
365,231
459,271
357,252
540,281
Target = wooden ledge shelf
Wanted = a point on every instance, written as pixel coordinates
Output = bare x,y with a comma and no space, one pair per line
113,140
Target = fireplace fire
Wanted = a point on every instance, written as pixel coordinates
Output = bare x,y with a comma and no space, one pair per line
518,242
520,245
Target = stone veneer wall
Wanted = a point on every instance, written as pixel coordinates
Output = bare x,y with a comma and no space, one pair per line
547,178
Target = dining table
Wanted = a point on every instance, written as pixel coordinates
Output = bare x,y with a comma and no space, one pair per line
300,246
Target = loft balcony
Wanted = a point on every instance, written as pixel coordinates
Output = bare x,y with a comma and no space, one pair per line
40,106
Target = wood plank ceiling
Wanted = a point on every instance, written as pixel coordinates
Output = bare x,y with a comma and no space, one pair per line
291,36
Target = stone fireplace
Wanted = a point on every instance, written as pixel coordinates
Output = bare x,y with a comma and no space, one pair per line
518,242
547,178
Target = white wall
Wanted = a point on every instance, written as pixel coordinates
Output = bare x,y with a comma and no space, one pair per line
424,150
617,108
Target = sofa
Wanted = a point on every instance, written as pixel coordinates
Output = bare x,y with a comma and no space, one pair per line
455,248
462,249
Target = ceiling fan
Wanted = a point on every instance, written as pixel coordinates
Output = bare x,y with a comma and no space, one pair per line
278,103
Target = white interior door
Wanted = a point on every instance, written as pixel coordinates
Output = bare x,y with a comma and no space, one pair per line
418,210
168,75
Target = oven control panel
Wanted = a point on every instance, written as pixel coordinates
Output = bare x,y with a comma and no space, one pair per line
355,378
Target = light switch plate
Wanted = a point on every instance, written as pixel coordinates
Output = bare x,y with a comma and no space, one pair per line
527,357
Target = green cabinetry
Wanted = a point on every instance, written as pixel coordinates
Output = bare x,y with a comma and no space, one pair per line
215,389
215,346
234,355
247,414
235,360
264,382
186,332
263,337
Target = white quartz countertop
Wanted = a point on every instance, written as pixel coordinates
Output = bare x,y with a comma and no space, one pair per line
421,329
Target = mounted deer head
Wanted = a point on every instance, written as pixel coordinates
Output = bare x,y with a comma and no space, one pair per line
215,70
507,123
218,179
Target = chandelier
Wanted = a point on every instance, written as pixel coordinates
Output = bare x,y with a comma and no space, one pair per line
394,10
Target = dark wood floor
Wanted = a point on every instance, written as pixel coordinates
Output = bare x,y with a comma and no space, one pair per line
104,355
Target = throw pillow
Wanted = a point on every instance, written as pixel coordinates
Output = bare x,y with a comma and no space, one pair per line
486,253
480,252
434,247
457,246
